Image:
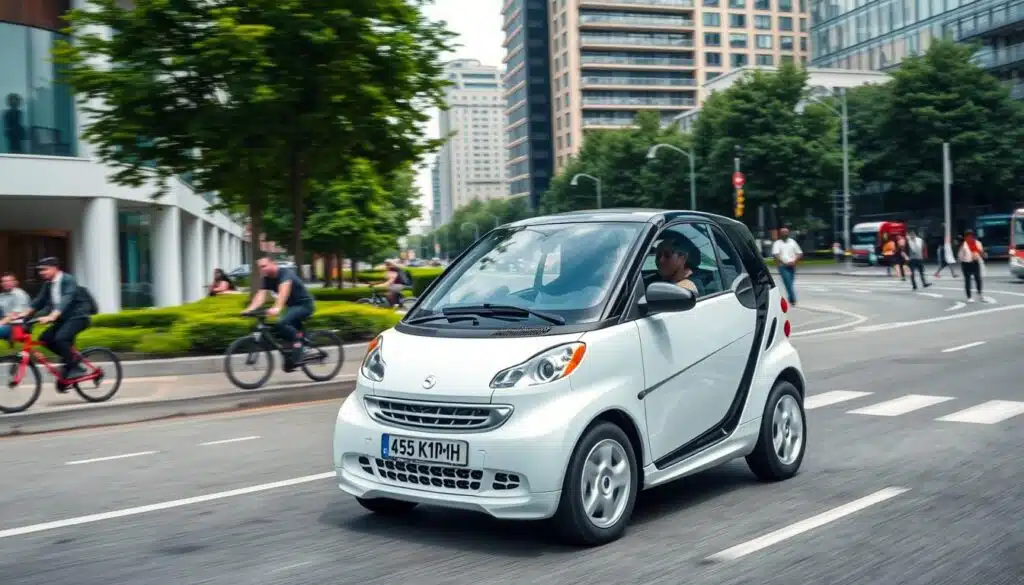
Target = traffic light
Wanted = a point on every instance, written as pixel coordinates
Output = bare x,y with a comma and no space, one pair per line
739,202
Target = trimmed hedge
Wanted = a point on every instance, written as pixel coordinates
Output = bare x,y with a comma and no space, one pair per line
208,326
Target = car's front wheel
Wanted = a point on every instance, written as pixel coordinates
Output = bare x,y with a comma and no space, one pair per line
386,506
600,487
783,437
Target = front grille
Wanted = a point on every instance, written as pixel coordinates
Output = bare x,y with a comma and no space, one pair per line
442,416
437,476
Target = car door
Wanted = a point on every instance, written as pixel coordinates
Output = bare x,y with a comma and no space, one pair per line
694,360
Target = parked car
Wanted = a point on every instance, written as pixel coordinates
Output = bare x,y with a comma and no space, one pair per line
640,347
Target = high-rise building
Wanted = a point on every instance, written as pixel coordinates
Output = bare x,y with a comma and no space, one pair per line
528,98
435,189
472,161
611,59
998,25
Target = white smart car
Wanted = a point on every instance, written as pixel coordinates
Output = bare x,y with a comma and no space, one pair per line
636,348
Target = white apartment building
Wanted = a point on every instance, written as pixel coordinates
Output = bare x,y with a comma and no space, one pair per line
471,164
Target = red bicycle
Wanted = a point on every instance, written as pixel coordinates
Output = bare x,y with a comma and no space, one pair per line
21,368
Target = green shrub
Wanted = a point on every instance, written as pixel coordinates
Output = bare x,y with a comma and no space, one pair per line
144,318
211,334
112,338
164,343
346,294
353,322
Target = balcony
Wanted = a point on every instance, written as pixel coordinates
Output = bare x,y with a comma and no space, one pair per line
992,18
618,81
606,102
989,58
611,20
663,6
659,41
618,61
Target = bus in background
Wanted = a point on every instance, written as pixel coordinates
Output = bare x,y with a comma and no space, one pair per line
866,239
993,230
1017,244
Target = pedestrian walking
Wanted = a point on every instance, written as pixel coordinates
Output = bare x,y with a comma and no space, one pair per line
946,259
971,256
787,254
916,252
837,251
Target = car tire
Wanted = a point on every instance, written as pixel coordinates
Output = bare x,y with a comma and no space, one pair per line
571,520
783,419
386,506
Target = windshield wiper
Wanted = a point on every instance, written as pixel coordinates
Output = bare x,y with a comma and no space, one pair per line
451,318
498,311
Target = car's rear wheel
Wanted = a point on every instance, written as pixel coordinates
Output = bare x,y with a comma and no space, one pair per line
783,438
600,487
386,506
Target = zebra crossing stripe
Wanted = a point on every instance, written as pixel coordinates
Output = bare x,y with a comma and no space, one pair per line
830,398
987,413
901,405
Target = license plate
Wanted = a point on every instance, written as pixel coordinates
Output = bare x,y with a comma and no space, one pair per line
428,450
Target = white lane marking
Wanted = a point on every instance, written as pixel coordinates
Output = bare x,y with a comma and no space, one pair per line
857,320
957,306
902,405
78,520
762,542
902,324
989,300
224,441
111,458
862,291
815,288
964,346
896,288
932,295
987,413
834,397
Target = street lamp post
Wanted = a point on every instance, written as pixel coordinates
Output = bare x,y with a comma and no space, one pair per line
693,176
844,116
576,181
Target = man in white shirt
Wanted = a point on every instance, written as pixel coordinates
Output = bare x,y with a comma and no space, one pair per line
13,300
916,253
787,253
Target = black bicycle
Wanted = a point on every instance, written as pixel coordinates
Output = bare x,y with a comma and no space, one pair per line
380,300
319,348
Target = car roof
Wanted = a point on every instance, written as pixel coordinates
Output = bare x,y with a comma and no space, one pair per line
631,215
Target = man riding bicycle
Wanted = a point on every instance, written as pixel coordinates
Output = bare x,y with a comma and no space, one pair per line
293,297
68,307
398,280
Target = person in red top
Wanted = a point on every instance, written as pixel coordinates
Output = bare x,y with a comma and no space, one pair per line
971,257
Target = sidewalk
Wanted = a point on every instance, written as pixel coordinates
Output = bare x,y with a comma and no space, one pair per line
159,397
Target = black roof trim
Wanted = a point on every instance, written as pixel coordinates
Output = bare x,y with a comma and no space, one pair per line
631,215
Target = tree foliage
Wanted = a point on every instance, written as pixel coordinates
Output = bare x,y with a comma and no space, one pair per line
898,129
258,100
628,179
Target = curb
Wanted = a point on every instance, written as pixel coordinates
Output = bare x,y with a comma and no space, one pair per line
188,366
114,413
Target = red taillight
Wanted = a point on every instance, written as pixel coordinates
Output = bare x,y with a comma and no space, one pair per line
785,306
786,328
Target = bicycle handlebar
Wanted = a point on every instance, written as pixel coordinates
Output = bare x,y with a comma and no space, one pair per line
256,313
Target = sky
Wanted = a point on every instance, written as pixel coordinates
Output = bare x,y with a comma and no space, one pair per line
478,24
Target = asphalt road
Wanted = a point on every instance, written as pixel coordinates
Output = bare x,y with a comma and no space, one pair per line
945,496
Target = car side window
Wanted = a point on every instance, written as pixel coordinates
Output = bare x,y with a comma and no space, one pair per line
689,246
729,263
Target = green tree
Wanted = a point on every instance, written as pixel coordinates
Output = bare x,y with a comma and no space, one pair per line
253,97
791,160
628,179
477,216
939,97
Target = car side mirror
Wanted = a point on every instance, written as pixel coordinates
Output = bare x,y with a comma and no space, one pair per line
665,297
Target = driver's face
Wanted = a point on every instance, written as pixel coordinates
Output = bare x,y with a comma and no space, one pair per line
669,261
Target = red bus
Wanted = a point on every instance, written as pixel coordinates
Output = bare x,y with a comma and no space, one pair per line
1017,243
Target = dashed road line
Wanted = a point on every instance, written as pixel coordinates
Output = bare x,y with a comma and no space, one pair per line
226,441
111,458
964,346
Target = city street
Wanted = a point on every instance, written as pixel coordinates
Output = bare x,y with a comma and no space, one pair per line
913,476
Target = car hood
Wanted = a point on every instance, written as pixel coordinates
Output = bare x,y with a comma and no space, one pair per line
462,368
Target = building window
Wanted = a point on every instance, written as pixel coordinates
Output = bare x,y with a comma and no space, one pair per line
786,42
737,21
738,60
764,60
713,59
803,25
37,112
738,41
762,22
711,75
803,44
763,41
737,4
711,3
785,23
785,5
712,40
762,5
712,19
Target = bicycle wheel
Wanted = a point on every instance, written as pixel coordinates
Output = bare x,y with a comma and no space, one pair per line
109,365
364,301
256,356
324,349
31,384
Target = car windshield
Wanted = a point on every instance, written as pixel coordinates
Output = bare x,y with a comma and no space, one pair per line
541,274
1018,230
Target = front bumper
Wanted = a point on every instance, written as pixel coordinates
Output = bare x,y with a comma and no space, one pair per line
513,472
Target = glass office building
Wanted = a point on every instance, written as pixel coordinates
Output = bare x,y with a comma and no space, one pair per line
998,26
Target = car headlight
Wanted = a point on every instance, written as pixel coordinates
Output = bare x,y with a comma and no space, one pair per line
373,363
549,365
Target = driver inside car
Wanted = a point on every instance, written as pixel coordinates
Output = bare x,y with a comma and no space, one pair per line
676,256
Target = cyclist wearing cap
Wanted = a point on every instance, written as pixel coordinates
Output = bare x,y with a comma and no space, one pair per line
67,307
